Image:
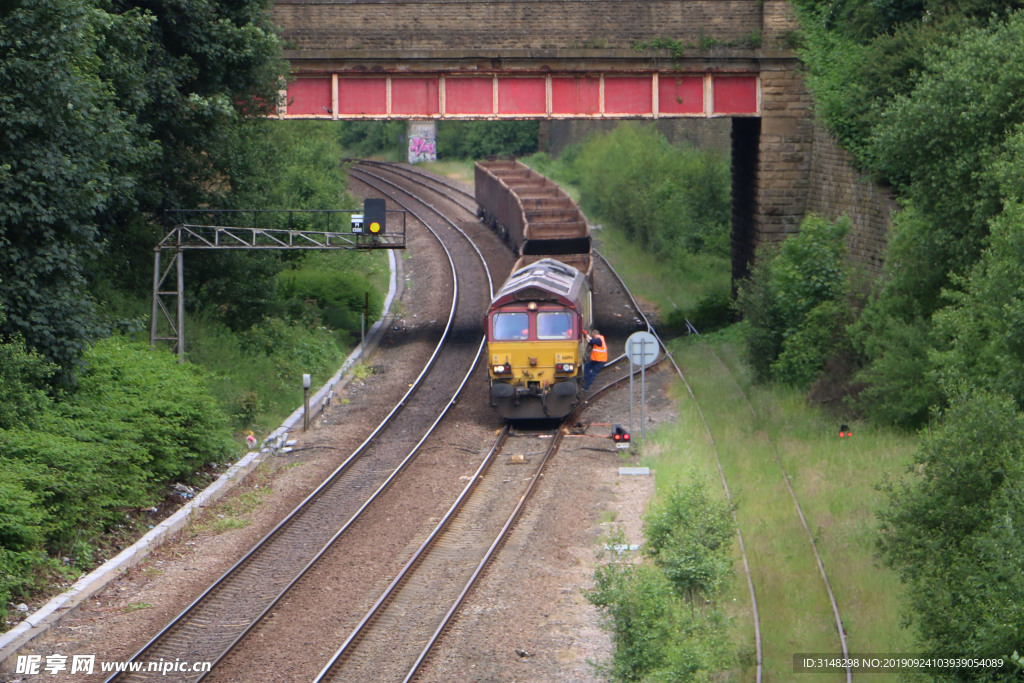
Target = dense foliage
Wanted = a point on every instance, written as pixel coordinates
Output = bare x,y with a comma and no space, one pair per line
366,138
794,304
109,113
479,139
455,139
926,94
942,128
662,616
68,153
673,200
72,469
954,535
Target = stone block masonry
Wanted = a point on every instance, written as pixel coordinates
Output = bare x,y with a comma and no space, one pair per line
445,25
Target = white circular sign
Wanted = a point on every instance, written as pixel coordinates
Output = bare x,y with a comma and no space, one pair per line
642,348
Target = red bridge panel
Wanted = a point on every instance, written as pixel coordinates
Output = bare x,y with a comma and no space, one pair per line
362,96
680,94
580,95
735,94
523,96
469,96
629,95
310,96
485,96
414,96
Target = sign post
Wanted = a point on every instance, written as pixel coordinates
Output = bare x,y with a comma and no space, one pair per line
641,349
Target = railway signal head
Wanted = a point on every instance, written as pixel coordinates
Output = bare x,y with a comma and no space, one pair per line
844,431
620,436
375,215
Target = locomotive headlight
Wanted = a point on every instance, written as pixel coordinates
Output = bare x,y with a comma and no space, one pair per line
502,369
564,367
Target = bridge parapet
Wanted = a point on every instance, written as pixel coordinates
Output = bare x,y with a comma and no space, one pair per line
496,26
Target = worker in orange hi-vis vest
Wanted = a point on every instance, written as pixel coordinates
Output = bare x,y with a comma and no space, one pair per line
598,349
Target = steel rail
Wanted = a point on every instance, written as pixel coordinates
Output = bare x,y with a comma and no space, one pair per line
329,670
331,479
758,645
509,525
438,212
451,402
409,567
799,511
411,173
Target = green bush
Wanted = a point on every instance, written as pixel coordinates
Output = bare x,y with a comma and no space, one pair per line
656,635
333,298
22,373
671,199
137,420
713,311
664,624
162,410
688,538
794,304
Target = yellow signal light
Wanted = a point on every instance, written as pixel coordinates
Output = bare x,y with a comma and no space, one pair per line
374,227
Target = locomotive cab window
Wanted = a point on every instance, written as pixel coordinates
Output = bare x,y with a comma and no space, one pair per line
511,326
554,325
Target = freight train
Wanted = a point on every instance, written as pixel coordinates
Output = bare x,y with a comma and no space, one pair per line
538,319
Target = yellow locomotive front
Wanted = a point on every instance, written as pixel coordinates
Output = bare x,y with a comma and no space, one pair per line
535,341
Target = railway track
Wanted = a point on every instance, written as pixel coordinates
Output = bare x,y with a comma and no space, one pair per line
225,613
397,635
836,615
356,658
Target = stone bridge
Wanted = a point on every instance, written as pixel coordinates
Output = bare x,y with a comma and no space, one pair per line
424,60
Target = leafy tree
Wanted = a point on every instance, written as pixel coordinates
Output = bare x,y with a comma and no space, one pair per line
984,326
478,139
110,113
953,531
657,636
211,64
894,333
862,55
671,199
937,142
277,165
947,144
795,306
68,154
365,138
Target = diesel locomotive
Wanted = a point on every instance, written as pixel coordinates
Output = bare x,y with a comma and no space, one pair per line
535,340
536,322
